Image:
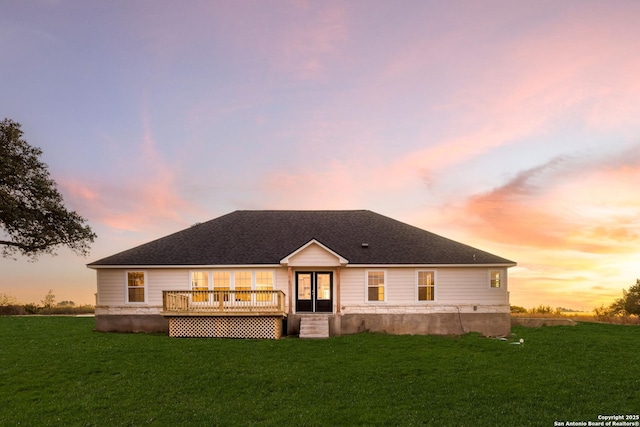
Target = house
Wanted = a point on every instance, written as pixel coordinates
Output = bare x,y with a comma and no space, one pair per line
265,273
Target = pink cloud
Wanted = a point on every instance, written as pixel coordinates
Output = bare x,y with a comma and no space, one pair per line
145,198
582,205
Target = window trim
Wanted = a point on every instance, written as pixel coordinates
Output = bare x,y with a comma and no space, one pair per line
366,286
435,286
209,278
232,277
145,287
200,298
254,280
501,279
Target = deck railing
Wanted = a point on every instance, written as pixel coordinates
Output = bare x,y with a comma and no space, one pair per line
220,302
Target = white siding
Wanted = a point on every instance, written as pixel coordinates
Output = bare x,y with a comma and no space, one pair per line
111,286
165,280
111,283
401,286
314,256
468,286
352,286
282,280
453,286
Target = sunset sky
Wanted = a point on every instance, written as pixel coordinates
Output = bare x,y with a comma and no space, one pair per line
512,126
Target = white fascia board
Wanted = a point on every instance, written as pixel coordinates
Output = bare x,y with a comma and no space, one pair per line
505,265
285,260
181,266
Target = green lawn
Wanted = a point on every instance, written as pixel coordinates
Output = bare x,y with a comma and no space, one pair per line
58,371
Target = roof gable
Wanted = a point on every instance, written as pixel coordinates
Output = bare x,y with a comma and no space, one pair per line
314,253
269,237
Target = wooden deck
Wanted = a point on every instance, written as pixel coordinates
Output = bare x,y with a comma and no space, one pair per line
223,303
224,314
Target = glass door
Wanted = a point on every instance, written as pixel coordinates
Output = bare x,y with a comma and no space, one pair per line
324,292
314,292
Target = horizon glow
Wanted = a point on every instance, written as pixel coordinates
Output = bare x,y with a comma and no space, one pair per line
509,127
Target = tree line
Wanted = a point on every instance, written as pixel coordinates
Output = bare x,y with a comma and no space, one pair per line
10,306
628,305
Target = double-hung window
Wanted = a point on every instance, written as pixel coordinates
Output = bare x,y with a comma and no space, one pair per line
221,282
495,278
375,286
264,282
136,281
200,282
426,285
242,283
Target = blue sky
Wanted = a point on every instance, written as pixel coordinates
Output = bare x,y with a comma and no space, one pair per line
508,126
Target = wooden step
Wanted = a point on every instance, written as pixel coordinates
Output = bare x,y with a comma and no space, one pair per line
314,326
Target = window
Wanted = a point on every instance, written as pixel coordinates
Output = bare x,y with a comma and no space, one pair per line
375,285
200,282
323,285
426,286
242,283
264,282
235,284
496,278
135,286
221,282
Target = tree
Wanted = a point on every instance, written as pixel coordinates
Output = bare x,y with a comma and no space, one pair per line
6,299
66,304
49,300
33,218
629,304
518,309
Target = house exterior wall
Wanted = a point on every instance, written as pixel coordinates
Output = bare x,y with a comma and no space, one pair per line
114,313
453,286
464,300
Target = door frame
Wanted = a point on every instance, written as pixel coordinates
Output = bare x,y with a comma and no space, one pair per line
311,305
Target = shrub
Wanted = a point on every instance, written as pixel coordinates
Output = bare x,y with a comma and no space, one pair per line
82,309
541,309
31,308
12,310
518,309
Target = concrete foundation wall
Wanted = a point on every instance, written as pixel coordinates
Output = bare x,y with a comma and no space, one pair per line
488,324
132,323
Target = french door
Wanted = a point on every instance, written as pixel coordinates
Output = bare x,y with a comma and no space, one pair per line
314,292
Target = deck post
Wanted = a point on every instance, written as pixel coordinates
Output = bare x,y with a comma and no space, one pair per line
337,289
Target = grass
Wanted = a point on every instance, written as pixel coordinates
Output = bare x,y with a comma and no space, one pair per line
58,371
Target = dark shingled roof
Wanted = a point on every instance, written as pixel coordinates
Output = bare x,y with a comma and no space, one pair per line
266,237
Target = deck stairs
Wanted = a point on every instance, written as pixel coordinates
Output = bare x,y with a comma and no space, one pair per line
314,326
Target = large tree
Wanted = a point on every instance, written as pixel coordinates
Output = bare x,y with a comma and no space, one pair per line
629,304
33,218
